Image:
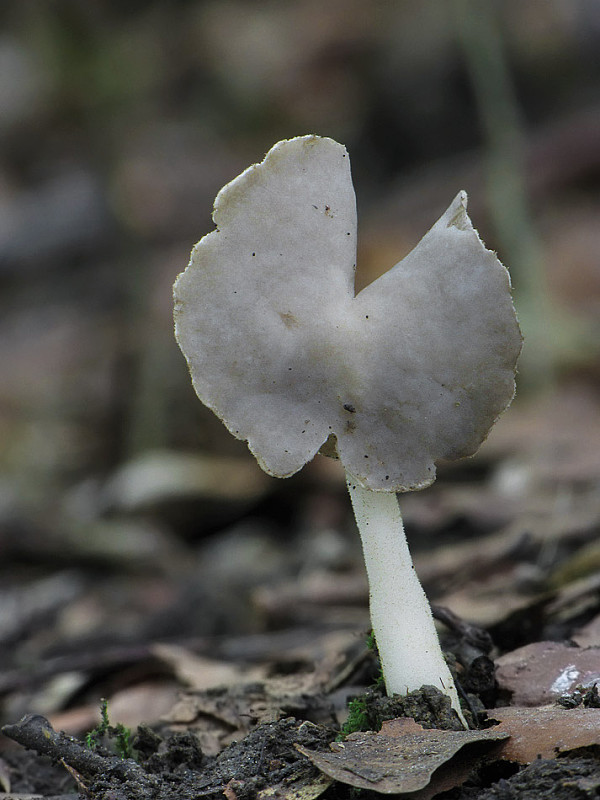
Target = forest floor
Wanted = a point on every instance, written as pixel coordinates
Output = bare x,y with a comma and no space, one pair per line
229,658
223,615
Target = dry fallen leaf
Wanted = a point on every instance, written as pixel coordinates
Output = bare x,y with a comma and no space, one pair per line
403,757
200,673
144,702
302,786
540,673
158,477
224,714
545,732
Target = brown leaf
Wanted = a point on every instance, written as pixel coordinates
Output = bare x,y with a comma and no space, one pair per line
200,673
539,673
403,757
144,702
545,731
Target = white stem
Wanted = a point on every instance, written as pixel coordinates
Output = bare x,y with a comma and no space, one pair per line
401,617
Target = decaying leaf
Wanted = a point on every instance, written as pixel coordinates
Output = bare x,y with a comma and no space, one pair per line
404,757
224,714
541,672
163,476
306,787
199,673
545,732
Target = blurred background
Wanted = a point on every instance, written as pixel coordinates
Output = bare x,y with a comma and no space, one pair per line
128,514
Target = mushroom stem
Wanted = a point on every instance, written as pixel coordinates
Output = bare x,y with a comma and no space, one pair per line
401,616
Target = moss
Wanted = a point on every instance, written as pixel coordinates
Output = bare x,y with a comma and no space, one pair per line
118,737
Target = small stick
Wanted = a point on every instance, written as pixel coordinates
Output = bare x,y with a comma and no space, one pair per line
35,733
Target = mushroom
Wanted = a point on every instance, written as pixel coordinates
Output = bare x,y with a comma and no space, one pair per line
414,368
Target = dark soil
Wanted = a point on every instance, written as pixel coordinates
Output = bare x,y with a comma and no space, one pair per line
429,707
174,768
556,779
30,773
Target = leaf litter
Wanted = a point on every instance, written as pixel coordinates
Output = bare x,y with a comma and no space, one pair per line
252,717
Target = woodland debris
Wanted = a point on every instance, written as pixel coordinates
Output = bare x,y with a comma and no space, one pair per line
404,757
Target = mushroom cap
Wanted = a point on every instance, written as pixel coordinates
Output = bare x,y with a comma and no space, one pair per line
415,368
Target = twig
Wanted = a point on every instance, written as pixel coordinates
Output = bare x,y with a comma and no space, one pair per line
36,733
473,634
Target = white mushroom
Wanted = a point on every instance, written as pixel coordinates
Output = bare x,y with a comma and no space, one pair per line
413,369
